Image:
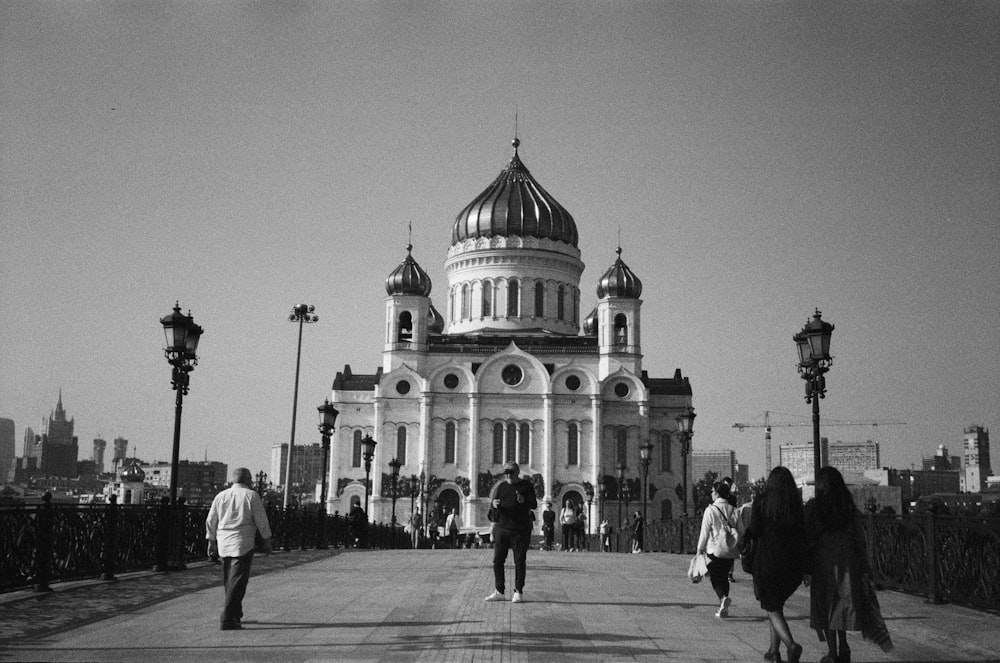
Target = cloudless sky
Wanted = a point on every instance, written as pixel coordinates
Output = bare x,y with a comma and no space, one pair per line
759,160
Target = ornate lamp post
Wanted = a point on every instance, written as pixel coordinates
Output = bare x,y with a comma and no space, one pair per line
302,314
368,453
588,492
685,429
394,469
327,420
261,482
423,498
414,491
602,491
813,344
182,336
621,494
645,456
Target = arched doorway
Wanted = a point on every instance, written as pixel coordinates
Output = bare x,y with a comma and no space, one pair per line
666,510
449,500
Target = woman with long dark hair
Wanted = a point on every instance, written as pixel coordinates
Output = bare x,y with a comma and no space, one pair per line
777,525
840,564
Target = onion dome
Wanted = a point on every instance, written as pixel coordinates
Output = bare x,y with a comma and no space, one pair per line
515,205
409,278
133,473
590,323
619,281
435,321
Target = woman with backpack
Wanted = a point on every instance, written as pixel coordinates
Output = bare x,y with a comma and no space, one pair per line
718,541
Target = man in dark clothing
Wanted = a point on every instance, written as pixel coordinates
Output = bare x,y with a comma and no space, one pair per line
510,510
548,525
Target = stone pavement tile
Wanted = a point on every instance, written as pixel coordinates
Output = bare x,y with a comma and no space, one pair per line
427,606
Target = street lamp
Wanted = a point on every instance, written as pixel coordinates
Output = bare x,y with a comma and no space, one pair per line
327,420
602,491
645,456
261,482
621,486
685,429
813,344
588,492
182,336
394,469
414,491
368,453
302,314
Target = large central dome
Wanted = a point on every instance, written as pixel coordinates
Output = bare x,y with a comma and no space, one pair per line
515,205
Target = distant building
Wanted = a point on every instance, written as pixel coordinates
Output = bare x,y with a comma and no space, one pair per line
941,461
976,456
798,458
56,452
914,484
720,461
120,451
307,466
7,454
853,457
197,482
98,454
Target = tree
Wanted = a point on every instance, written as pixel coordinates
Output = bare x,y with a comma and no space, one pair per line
703,491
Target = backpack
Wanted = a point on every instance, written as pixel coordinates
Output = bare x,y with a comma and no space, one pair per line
726,539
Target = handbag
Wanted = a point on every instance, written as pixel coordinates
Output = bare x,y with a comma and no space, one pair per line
726,539
698,568
747,549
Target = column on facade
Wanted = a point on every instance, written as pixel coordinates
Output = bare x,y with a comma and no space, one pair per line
548,469
473,446
595,445
426,401
332,467
379,448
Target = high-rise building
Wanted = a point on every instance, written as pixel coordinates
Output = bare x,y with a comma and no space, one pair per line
941,461
798,458
307,466
98,455
7,450
720,461
853,457
511,372
197,482
976,457
56,452
120,451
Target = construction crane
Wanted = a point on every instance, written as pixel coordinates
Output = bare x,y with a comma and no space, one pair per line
767,426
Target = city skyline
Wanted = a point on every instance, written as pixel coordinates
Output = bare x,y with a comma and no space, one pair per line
754,162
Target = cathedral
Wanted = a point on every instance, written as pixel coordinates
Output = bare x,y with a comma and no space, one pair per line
510,372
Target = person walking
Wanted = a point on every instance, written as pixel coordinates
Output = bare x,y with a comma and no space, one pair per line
510,513
567,522
581,529
637,526
548,525
781,555
234,519
451,526
605,536
416,525
733,500
840,568
718,520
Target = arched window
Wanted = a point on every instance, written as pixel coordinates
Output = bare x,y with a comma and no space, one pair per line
574,305
513,299
539,299
666,510
666,453
465,302
449,442
561,303
621,446
487,299
573,445
451,305
511,447
621,332
401,445
356,451
524,445
405,327
498,444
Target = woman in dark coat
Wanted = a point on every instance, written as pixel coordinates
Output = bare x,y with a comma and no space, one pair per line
839,564
777,526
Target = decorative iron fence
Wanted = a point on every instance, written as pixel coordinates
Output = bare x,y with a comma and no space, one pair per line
45,543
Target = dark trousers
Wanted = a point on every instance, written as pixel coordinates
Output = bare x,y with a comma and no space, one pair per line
567,534
510,539
718,572
235,575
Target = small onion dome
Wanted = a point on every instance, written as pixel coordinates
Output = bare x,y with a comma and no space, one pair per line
435,321
515,205
133,473
409,278
619,281
590,323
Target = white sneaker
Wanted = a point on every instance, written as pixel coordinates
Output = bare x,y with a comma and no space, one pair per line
496,596
518,597
723,610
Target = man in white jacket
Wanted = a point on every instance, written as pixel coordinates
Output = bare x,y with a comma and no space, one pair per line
237,514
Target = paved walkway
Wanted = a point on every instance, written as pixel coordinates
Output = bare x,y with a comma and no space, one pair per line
373,606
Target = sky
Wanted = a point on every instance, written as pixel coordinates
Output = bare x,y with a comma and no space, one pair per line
756,161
